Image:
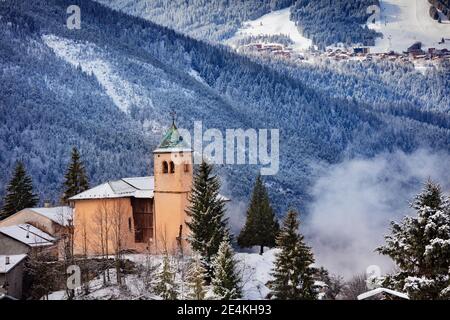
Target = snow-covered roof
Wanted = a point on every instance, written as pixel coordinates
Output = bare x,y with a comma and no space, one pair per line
138,187
60,215
13,261
376,291
28,235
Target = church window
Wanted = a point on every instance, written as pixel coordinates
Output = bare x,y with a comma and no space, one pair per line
186,167
172,167
165,167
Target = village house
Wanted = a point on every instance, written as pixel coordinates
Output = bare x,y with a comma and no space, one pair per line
11,275
140,213
26,239
54,221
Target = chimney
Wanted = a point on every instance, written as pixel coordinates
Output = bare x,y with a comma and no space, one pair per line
47,204
7,260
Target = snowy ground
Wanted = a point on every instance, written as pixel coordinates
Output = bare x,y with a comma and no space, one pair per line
404,22
274,23
254,269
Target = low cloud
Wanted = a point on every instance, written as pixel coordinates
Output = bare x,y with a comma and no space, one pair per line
355,201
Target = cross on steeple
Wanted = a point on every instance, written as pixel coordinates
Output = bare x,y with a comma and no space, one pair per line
173,114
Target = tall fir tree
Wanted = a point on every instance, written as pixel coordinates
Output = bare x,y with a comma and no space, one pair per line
293,276
420,247
261,227
196,279
226,280
207,224
75,179
19,193
166,286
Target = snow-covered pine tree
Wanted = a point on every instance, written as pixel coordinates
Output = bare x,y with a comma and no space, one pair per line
166,287
261,226
76,180
293,276
226,280
420,247
208,225
196,279
19,193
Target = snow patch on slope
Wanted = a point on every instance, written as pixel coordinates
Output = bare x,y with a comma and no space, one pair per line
404,22
91,61
274,23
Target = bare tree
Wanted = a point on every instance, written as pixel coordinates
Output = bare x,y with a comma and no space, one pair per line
354,287
65,218
101,227
84,260
117,236
148,274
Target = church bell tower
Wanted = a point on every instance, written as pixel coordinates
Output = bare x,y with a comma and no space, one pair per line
173,181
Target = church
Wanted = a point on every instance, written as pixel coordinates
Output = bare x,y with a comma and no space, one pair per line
139,214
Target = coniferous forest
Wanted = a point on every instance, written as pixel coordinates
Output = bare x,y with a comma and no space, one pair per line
324,113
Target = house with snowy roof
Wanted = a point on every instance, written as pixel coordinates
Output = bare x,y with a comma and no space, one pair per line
139,213
25,239
11,275
54,221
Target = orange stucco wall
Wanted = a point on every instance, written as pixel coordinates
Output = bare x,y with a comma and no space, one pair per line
96,225
171,200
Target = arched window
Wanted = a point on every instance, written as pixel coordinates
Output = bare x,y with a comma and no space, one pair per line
172,167
165,167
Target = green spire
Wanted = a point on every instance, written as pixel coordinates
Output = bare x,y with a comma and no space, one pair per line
173,139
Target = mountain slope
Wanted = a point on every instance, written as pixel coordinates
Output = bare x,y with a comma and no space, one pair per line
110,86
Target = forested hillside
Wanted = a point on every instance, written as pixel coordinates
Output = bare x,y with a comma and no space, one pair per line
203,19
55,95
331,22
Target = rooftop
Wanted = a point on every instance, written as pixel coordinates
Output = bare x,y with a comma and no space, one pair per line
29,235
13,261
60,215
137,187
377,291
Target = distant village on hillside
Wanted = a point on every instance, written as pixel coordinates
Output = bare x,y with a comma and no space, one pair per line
415,54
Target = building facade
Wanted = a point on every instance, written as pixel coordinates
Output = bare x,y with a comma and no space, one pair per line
142,213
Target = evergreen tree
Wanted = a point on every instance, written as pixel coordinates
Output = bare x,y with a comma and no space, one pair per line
292,273
261,226
226,280
19,193
420,246
206,210
76,180
166,286
196,279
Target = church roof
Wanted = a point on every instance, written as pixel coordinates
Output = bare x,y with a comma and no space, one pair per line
173,141
137,187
